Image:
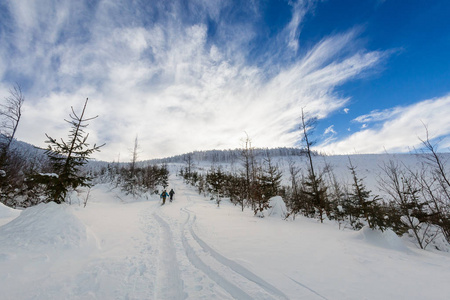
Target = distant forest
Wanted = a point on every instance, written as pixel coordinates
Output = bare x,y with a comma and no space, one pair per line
227,156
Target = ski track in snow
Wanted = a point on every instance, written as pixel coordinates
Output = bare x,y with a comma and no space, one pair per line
232,289
237,268
236,280
169,283
309,289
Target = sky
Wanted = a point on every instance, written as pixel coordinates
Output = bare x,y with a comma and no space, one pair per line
204,74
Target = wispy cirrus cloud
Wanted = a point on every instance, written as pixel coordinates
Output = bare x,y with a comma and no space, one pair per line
379,115
330,130
300,9
176,74
399,129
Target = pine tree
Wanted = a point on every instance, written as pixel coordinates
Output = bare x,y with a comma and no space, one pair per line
293,193
248,172
361,204
66,159
270,178
314,188
216,181
336,197
315,197
163,176
131,180
266,184
237,189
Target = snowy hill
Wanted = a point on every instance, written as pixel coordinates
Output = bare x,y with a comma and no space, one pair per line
227,156
125,247
120,247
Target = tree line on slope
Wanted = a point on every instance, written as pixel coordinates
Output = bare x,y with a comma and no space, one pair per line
251,187
228,156
416,202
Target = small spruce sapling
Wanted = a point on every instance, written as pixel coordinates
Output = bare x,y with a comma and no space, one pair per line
66,159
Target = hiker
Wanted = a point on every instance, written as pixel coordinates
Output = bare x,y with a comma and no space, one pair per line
163,196
171,193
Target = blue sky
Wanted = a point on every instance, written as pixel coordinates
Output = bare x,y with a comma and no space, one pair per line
199,75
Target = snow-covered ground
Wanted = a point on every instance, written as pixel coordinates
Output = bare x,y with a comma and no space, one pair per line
123,248
7,214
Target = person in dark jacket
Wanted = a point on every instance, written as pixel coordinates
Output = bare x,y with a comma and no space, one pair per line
171,193
163,196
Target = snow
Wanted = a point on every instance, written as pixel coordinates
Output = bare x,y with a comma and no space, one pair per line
49,174
277,208
7,214
387,239
120,247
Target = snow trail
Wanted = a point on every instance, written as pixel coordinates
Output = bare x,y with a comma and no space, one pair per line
169,283
124,267
232,289
239,269
238,281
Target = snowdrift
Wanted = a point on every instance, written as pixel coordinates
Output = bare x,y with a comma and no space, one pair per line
277,208
42,226
7,214
41,250
385,239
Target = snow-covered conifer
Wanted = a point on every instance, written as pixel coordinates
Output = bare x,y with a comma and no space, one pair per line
66,159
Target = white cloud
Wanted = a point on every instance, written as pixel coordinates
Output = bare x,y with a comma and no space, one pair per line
401,130
300,8
330,130
378,116
171,84
329,135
